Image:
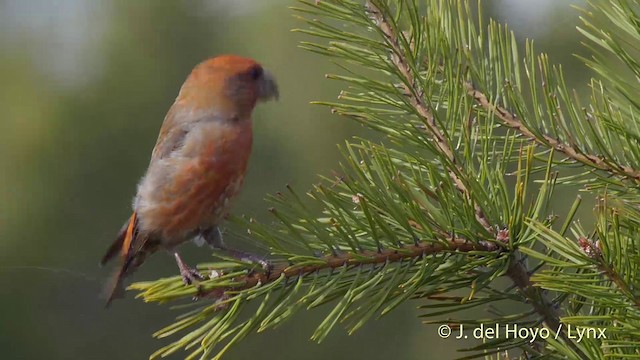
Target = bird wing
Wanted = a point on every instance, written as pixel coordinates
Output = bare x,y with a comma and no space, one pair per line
172,135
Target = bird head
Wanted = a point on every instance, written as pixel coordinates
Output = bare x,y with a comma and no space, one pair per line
229,85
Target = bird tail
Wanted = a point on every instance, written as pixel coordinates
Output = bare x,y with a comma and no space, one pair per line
116,246
132,249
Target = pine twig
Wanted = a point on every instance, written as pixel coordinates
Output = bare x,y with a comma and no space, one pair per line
509,120
383,256
412,89
593,250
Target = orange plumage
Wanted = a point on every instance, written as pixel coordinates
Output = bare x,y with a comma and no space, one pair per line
198,164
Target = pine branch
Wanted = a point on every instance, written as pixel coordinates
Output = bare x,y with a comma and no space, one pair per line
517,272
509,120
615,277
383,256
520,276
415,94
593,250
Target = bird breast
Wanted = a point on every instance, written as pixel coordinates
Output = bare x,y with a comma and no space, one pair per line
194,186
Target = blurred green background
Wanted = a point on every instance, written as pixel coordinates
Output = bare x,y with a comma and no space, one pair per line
85,86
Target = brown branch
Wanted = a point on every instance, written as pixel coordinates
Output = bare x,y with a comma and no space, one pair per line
412,89
510,121
615,277
519,274
594,251
363,258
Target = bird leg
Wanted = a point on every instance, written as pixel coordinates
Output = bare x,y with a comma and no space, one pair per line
247,257
189,275
213,237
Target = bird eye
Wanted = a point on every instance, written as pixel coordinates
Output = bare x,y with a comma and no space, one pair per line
256,72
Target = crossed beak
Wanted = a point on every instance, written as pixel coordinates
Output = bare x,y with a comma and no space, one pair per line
268,88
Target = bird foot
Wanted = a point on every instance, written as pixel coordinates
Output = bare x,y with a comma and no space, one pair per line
189,275
250,258
265,265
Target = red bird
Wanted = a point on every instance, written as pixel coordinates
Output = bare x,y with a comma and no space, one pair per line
197,166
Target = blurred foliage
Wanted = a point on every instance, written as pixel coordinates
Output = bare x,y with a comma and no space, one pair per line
87,85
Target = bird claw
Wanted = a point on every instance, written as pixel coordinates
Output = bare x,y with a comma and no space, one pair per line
259,261
248,258
265,265
189,275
